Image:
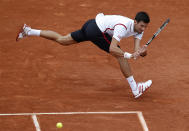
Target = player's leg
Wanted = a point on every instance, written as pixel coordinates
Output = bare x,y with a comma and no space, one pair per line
51,35
124,66
137,88
126,71
63,40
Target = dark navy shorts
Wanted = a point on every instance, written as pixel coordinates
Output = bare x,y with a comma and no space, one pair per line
91,32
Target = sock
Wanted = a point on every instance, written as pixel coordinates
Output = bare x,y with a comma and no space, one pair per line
132,83
34,32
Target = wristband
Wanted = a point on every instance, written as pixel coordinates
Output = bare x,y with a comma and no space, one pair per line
127,55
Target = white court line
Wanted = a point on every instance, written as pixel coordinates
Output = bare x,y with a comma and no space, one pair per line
68,113
142,121
35,121
139,114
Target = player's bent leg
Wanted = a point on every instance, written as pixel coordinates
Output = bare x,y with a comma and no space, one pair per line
137,89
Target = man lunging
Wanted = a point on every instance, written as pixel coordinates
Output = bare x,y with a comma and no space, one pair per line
105,31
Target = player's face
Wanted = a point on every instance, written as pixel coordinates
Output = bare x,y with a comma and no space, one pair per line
140,26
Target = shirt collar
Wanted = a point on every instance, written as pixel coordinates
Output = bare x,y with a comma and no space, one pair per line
132,27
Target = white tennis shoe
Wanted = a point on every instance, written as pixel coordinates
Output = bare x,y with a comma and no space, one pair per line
141,88
23,32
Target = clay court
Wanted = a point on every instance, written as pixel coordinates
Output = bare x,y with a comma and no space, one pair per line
82,86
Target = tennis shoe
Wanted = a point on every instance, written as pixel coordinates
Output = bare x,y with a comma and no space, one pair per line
23,32
141,88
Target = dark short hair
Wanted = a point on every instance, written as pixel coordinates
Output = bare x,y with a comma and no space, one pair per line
142,16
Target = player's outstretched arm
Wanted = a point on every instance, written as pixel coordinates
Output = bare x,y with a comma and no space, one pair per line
114,49
117,52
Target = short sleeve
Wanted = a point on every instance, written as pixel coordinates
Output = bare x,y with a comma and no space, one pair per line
119,32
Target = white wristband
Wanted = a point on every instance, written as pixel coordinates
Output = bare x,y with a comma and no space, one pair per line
127,55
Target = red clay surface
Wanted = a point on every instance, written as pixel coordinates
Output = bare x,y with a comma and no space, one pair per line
90,122
37,75
16,123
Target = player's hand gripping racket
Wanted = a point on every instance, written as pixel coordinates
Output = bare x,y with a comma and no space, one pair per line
128,55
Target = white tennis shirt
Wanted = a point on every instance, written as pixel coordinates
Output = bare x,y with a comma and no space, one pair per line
117,26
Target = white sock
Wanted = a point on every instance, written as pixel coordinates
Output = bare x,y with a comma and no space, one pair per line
34,32
132,83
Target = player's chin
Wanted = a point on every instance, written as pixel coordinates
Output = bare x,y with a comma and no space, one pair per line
140,32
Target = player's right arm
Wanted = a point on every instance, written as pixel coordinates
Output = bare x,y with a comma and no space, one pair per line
114,49
119,33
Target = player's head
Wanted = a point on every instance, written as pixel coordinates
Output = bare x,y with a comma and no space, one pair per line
142,16
141,21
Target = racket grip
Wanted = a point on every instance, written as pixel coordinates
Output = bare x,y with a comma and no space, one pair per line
127,55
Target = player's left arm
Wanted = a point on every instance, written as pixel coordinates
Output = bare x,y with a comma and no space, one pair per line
136,44
139,51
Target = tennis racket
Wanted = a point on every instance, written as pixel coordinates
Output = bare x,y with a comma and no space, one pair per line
128,55
158,31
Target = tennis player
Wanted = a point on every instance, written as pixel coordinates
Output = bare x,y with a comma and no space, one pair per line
106,32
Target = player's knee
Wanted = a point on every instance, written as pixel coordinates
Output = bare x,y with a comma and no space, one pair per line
66,40
62,40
